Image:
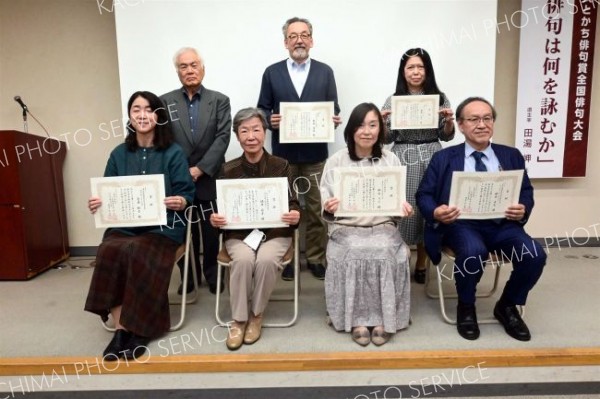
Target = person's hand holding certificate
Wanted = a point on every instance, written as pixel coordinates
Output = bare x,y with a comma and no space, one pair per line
485,195
130,201
415,112
377,191
253,203
310,122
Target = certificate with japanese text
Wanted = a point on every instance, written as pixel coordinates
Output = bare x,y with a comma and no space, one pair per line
130,201
306,122
370,191
485,195
253,203
415,112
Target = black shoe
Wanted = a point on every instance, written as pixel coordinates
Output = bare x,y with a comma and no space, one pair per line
466,321
420,275
510,318
212,287
317,270
288,273
136,347
117,345
190,288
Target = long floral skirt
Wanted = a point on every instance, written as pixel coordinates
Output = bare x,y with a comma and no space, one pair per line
368,278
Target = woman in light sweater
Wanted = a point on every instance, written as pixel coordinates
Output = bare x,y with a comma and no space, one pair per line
367,284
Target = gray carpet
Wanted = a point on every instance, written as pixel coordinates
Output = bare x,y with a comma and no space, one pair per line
44,316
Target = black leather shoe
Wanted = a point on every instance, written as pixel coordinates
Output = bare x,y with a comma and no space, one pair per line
117,345
288,273
212,287
190,288
317,270
510,318
136,347
420,275
466,321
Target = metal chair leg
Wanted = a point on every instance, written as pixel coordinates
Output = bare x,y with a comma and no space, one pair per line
442,296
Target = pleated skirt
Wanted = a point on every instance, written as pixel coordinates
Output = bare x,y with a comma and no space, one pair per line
134,271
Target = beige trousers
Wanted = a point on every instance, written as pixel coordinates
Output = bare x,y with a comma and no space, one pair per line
253,274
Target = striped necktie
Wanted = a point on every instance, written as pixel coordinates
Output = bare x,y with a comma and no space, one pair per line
479,165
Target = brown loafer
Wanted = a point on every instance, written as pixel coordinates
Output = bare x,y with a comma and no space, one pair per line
379,336
235,336
253,330
360,335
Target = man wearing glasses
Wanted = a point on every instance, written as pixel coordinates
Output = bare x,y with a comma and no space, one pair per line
301,79
201,123
472,240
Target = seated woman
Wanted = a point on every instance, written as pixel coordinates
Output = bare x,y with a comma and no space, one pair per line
133,265
254,273
367,283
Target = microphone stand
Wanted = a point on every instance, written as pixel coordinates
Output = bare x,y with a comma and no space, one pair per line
25,127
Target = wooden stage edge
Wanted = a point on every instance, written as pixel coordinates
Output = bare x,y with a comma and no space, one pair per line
236,362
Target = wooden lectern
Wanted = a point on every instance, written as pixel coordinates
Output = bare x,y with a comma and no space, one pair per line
33,219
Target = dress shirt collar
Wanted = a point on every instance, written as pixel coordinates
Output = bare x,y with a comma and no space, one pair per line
488,152
490,160
293,65
197,94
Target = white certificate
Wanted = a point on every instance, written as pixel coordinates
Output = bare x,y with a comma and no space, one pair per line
306,122
485,195
253,203
415,112
370,191
130,201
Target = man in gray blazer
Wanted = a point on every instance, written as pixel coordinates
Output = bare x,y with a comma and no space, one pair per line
301,79
201,123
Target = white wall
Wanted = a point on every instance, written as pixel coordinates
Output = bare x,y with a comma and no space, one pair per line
361,41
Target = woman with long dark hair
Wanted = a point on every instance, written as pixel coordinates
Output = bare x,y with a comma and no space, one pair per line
133,265
414,147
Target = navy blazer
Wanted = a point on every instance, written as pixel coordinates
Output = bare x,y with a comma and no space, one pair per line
434,189
208,153
277,87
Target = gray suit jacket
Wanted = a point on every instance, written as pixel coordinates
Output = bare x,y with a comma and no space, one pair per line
208,151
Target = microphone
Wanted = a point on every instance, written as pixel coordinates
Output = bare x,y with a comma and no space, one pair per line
21,103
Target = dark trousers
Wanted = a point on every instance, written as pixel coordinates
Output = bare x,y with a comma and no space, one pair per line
202,230
472,241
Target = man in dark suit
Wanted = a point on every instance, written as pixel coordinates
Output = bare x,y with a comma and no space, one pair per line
301,79
473,240
201,123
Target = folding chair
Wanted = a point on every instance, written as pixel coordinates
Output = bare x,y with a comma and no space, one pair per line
292,255
442,296
186,252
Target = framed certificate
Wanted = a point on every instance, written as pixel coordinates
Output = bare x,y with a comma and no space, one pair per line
485,195
130,201
306,122
370,191
415,112
253,203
